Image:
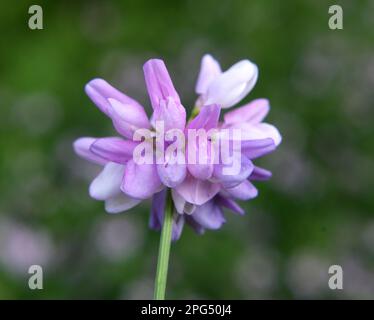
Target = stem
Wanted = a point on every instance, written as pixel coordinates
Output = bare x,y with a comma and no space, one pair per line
164,250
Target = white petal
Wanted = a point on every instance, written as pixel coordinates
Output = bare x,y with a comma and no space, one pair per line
209,70
120,203
233,85
107,184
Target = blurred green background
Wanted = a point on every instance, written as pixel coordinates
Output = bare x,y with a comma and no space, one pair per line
316,211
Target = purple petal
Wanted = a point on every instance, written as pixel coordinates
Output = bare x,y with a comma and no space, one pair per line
198,228
181,205
243,191
157,215
201,167
209,70
260,174
209,215
157,210
197,191
207,118
253,112
140,181
82,148
107,184
257,148
229,204
246,168
159,84
171,175
113,149
127,118
178,224
164,98
100,91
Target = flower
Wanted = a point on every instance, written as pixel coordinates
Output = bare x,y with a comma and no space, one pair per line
202,189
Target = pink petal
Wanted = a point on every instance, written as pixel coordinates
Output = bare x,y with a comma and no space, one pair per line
127,118
253,112
164,98
100,91
159,84
207,118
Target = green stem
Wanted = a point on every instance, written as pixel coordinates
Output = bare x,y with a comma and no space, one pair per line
164,250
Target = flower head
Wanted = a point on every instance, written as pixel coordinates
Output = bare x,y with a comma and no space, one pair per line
206,162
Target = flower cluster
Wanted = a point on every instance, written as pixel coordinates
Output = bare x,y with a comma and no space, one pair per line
200,190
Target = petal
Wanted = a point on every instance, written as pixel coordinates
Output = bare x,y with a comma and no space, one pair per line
229,204
178,224
82,148
233,85
257,148
127,118
231,180
198,228
100,91
140,181
209,215
113,149
243,191
201,165
157,215
157,210
209,70
120,203
107,184
159,84
258,131
269,131
197,191
253,112
181,205
260,174
207,118
171,114
171,174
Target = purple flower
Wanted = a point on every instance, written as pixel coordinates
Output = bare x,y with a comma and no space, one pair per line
202,189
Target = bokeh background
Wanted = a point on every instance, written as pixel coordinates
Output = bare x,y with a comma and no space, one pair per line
316,211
